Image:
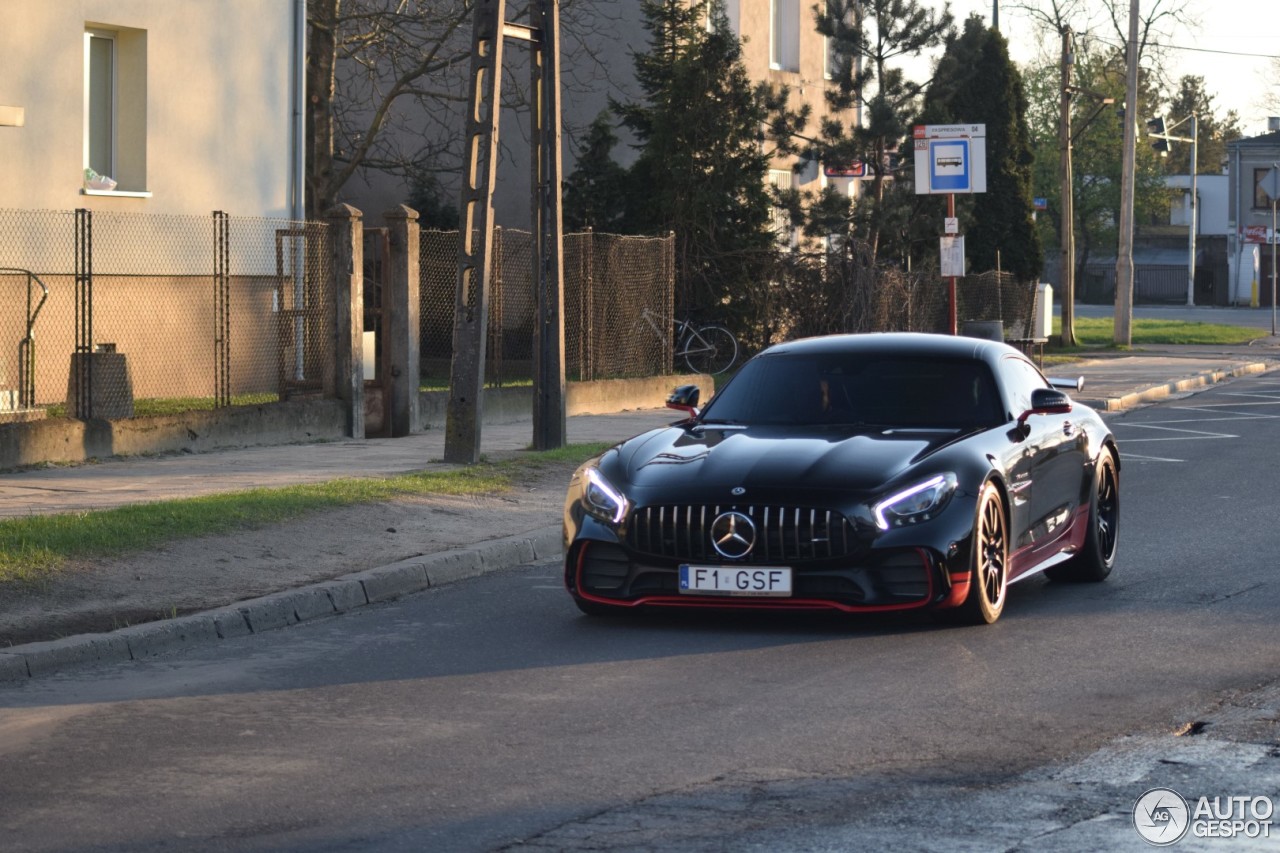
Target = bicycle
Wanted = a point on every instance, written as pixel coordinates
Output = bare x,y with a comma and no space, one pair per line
705,349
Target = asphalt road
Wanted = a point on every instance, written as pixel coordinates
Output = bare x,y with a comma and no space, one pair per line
489,715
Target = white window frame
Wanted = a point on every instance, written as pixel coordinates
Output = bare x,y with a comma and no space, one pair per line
112,108
784,35
783,229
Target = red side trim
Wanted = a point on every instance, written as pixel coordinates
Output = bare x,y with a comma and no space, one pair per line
1027,558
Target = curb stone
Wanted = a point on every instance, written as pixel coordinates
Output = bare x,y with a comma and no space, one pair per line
1160,392
280,609
13,667
154,638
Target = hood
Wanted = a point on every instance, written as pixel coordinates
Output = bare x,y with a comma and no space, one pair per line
767,458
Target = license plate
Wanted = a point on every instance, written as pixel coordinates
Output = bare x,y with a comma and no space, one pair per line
772,581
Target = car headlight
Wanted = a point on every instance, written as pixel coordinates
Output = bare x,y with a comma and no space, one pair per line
601,499
915,504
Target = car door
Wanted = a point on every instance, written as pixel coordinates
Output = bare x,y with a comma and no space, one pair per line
1045,478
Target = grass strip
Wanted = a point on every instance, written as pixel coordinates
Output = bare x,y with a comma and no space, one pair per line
1095,332
33,548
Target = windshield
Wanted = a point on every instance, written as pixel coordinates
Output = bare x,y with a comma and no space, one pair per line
859,389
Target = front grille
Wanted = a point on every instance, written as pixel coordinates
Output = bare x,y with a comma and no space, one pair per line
784,534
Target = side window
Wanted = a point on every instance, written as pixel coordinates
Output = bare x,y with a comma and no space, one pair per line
1020,379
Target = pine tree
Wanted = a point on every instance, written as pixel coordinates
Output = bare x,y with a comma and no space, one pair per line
701,170
595,193
976,83
866,37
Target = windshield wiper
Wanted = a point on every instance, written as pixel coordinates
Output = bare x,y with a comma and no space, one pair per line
718,423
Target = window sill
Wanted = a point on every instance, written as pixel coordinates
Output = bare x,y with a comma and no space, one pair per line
117,193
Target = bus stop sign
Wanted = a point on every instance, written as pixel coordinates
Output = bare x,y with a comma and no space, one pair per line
950,158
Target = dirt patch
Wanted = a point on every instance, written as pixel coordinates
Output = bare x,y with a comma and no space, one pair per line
198,574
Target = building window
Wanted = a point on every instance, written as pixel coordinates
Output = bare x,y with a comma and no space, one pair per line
732,12
782,179
1261,201
100,102
115,105
784,35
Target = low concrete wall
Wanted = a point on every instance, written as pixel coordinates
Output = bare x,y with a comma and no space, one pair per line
512,405
66,440
63,440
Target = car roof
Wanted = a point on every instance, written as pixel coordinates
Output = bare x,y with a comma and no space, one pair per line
898,343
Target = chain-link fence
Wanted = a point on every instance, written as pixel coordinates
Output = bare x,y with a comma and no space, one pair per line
150,314
847,292
997,298
617,306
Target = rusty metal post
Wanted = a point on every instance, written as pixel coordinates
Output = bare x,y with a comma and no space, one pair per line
400,323
549,430
479,172
348,278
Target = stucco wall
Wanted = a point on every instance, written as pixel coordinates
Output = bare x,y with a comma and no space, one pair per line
215,112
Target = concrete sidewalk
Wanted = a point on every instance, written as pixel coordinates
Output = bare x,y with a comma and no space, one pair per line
1112,383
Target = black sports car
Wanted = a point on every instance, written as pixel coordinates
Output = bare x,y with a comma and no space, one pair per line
851,473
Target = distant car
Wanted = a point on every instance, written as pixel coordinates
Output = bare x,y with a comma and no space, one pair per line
853,473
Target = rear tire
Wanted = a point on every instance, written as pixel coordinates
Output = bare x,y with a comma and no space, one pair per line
710,349
1098,556
989,563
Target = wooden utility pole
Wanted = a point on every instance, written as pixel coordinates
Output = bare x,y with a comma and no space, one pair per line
1124,255
1067,227
549,429
475,240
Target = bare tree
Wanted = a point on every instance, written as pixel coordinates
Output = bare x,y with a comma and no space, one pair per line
1269,82
387,85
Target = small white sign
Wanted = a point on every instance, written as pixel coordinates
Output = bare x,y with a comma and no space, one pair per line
952,249
951,225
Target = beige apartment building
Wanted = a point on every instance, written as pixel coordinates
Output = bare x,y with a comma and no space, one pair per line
187,107
781,46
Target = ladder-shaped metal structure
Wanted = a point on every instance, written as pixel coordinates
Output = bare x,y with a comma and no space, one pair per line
475,254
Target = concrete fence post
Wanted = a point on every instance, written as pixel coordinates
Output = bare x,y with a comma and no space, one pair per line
347,233
401,324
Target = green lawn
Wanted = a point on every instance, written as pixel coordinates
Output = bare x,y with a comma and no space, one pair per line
1100,332
34,547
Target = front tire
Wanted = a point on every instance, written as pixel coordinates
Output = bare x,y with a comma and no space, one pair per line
989,563
1096,559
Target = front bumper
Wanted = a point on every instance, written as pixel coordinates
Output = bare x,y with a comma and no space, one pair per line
606,573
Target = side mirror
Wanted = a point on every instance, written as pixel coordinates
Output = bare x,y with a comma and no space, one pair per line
685,398
1046,401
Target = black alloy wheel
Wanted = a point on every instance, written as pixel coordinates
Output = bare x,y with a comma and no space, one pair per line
989,575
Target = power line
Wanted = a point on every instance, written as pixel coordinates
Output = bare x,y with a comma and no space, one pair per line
1118,45
1223,52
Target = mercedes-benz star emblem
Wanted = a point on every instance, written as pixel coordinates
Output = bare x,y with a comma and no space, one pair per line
739,491
733,535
